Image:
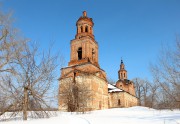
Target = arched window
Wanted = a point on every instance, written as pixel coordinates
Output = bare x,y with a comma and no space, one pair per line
121,75
81,29
86,29
124,75
79,53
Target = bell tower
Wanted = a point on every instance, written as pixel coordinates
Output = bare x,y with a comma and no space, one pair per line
84,48
83,70
122,73
123,82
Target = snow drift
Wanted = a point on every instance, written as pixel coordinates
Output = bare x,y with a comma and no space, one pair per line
133,115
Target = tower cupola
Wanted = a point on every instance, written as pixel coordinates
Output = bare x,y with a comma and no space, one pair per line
121,65
84,26
122,73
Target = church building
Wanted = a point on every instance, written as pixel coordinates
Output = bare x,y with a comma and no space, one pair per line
83,85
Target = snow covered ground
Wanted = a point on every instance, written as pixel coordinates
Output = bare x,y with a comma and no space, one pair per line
133,115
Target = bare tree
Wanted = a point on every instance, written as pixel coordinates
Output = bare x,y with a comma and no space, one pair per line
152,99
74,94
167,74
26,74
142,89
146,92
10,44
30,83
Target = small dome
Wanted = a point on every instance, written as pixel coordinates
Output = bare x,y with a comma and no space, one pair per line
84,19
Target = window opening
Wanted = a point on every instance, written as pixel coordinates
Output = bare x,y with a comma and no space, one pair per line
119,102
79,53
81,29
86,29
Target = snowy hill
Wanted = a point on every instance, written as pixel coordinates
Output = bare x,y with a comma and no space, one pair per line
133,115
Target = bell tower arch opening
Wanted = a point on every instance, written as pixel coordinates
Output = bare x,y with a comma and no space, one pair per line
81,29
86,29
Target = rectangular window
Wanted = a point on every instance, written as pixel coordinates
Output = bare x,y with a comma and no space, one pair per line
119,102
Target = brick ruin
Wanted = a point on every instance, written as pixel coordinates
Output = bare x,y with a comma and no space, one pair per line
84,71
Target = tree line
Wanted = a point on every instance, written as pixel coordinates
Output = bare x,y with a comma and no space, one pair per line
164,91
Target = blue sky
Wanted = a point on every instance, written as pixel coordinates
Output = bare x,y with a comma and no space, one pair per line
131,29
